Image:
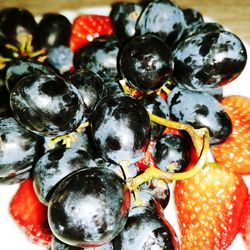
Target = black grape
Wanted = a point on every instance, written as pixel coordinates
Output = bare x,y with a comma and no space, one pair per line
200,109
209,60
47,105
146,62
89,207
120,126
19,148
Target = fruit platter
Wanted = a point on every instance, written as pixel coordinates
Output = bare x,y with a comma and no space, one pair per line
123,127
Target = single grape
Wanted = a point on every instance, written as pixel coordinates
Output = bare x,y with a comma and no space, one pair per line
209,60
123,17
53,30
19,148
146,62
89,207
145,230
120,126
47,105
99,56
60,58
200,109
159,190
172,149
163,18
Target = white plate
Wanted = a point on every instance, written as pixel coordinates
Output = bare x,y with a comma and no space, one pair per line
12,238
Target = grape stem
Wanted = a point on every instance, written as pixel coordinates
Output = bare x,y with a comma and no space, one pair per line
24,49
200,139
67,139
167,86
166,90
3,61
128,90
82,127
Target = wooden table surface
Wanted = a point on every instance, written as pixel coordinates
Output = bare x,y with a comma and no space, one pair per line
233,14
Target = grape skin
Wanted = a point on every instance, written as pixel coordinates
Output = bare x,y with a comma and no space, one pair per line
209,60
89,207
19,148
120,127
47,105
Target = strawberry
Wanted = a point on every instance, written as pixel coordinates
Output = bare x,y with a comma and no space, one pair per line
209,208
245,227
30,213
147,158
234,153
87,27
171,131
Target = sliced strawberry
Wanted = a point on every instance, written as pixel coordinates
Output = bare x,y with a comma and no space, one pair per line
245,227
209,208
234,153
30,213
87,27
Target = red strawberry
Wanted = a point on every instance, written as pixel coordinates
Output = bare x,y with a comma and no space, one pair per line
234,153
209,208
245,227
171,131
147,158
87,27
30,213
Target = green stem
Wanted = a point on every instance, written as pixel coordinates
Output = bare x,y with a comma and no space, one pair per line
67,139
213,164
81,128
200,138
3,61
196,134
166,90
